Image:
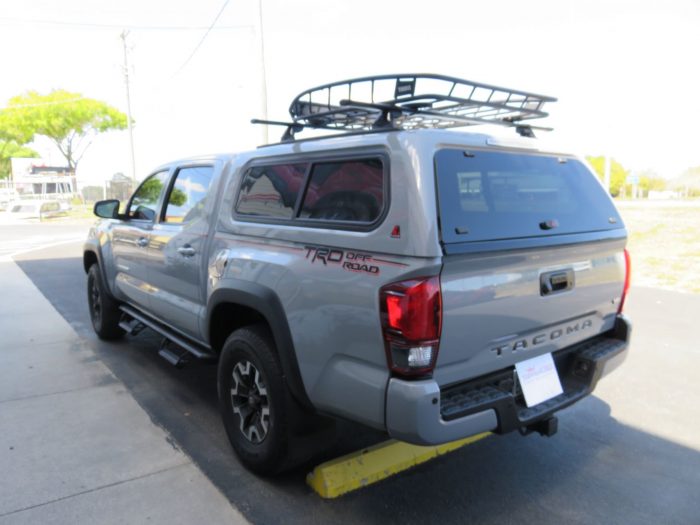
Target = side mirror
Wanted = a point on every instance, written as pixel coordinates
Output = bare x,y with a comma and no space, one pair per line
108,209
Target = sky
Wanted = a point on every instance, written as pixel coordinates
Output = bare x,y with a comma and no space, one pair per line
625,72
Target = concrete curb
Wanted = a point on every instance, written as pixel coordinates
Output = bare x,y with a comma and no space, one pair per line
75,446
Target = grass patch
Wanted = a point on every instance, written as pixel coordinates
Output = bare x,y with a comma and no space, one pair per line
664,243
81,211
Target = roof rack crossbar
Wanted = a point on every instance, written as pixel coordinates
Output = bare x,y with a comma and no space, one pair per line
292,127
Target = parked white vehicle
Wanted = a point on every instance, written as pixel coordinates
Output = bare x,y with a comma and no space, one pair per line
26,210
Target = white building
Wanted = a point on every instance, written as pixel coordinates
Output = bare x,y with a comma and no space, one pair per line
34,178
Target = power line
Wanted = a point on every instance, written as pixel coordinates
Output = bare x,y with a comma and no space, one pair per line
206,33
116,26
49,103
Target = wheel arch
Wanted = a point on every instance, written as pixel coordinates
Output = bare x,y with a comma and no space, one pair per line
92,255
241,303
89,258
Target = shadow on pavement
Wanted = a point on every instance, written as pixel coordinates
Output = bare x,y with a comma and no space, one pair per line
596,470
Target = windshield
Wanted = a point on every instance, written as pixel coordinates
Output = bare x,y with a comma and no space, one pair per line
486,195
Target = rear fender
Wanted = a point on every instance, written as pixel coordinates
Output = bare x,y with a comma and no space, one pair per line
267,303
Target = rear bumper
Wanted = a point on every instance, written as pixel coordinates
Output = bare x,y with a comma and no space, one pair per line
420,412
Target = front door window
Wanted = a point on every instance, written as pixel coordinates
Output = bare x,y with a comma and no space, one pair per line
144,203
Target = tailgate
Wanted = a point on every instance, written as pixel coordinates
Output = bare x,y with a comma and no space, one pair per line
496,312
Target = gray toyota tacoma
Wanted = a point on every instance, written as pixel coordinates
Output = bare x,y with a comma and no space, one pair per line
426,282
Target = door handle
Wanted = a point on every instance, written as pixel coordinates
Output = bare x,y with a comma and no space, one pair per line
186,251
142,242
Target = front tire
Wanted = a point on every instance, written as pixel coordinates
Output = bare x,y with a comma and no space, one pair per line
255,403
104,310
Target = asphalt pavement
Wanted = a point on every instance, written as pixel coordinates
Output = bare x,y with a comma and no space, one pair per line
628,454
16,239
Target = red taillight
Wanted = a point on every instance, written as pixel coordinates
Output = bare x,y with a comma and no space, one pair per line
628,276
411,313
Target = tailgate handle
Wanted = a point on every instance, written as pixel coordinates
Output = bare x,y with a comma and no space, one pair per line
555,282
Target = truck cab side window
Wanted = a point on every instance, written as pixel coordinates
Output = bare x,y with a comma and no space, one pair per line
271,191
351,191
144,203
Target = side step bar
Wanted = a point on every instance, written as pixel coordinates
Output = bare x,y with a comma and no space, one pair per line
173,353
196,350
131,326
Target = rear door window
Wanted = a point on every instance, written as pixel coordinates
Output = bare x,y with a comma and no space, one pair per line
486,195
187,197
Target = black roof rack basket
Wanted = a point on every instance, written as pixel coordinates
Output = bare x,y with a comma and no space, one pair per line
411,101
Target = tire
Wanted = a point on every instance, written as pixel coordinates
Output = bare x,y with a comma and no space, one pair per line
104,310
256,405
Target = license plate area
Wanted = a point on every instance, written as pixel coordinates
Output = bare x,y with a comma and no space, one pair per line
538,379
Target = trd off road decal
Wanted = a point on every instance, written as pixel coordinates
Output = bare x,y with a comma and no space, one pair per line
351,261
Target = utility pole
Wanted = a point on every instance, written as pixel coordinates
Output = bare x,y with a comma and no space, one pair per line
123,36
263,74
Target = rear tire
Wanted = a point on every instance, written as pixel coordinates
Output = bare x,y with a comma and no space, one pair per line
104,310
256,405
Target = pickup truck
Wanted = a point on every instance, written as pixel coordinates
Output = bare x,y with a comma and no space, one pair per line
429,283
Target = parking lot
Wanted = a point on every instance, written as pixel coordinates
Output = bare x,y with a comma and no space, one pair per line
628,454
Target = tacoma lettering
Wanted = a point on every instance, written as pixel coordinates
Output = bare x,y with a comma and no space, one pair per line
518,345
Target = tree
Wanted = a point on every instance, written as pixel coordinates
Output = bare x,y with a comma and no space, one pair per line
618,174
12,142
152,188
688,182
12,149
651,181
69,120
